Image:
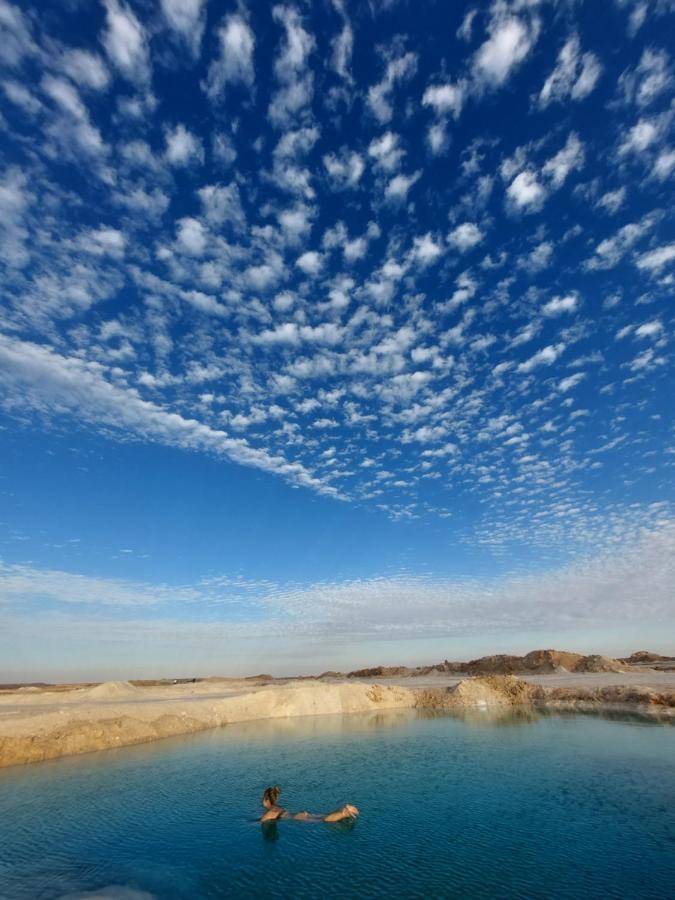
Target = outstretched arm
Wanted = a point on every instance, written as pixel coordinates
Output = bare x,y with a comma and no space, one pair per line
348,811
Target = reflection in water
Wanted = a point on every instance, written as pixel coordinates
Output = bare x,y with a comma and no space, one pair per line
270,830
609,714
309,727
486,717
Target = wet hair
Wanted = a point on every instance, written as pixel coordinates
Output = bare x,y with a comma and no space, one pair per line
270,796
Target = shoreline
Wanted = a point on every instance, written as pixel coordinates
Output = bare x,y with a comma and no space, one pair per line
38,725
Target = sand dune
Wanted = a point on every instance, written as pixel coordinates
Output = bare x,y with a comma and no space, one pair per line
112,690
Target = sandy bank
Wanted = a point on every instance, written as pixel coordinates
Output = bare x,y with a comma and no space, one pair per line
42,724
39,726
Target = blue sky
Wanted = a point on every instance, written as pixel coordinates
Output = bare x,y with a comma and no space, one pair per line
333,334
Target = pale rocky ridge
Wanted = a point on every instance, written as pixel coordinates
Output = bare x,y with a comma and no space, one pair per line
535,662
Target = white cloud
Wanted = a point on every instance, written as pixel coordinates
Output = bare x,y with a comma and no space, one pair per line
639,138
646,360
566,384
72,131
574,76
103,242
539,259
125,42
355,249
559,305
438,138
398,187
664,166
566,160
183,147
399,68
285,333
296,222
187,18
19,95
343,45
655,260
16,42
611,251
386,151
310,262
544,357
649,329
15,199
27,583
510,41
446,98
426,250
612,201
39,379
629,582
296,80
86,69
651,78
526,334
224,151
204,303
191,236
221,204
234,64
529,189
344,168
465,236
465,30
525,192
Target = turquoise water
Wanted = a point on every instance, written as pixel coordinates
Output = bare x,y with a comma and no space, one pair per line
521,806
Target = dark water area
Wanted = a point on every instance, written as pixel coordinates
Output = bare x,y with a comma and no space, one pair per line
481,806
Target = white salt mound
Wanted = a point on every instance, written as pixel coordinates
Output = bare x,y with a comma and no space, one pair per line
112,690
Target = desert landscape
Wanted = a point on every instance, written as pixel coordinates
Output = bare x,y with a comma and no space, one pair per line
40,722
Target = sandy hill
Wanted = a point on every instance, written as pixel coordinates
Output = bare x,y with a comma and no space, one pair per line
112,690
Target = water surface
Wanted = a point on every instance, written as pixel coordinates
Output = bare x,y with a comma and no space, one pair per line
522,805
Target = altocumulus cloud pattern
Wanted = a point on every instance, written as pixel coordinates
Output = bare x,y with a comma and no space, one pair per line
412,257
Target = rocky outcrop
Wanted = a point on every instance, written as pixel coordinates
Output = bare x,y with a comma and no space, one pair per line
596,663
381,671
471,693
537,662
644,657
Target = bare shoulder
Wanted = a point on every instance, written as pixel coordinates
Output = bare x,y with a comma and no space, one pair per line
276,812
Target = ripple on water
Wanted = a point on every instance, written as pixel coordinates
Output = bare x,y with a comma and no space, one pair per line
551,806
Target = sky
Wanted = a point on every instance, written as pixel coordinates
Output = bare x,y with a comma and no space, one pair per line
334,334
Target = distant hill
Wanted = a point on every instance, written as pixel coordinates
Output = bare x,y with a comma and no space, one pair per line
537,662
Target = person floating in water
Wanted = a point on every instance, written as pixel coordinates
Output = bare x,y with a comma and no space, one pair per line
273,811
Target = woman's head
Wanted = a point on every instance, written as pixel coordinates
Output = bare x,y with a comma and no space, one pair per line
270,796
